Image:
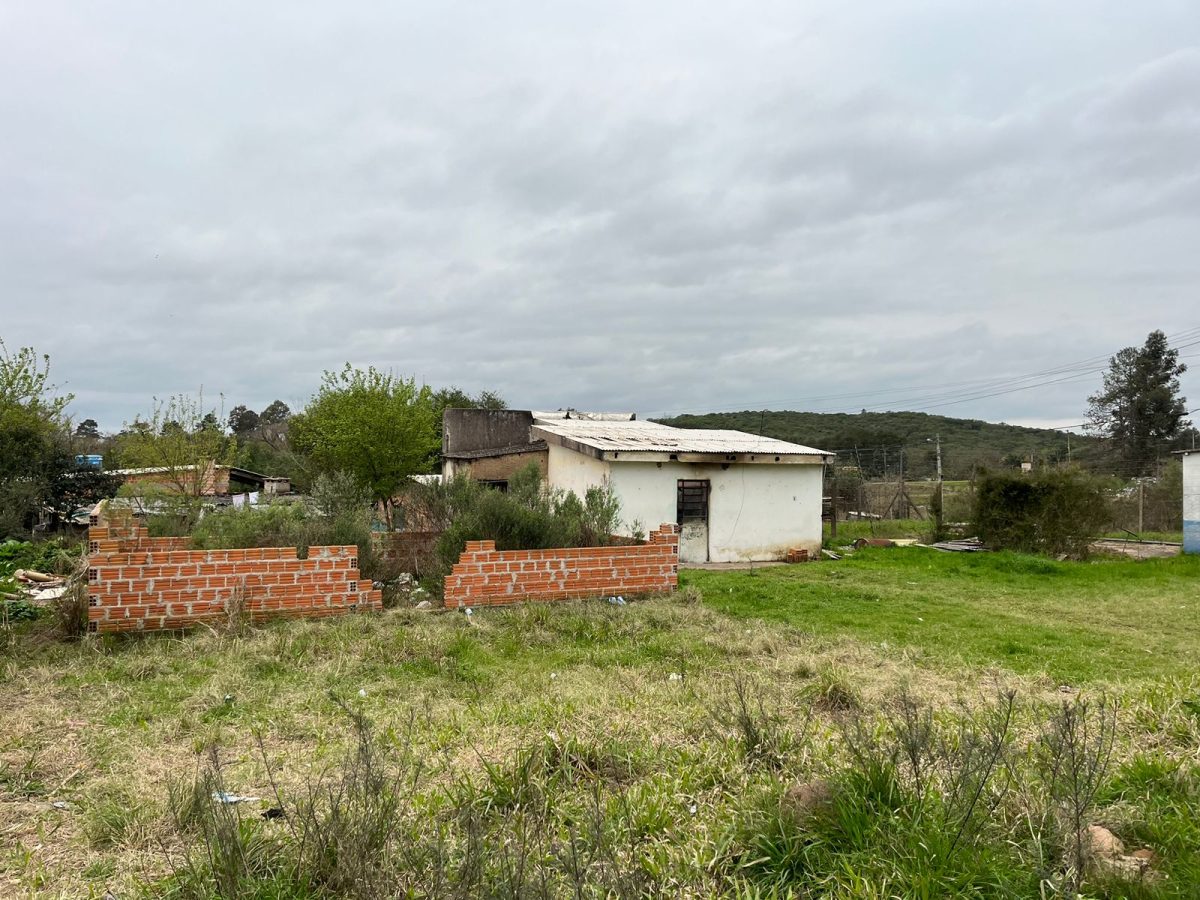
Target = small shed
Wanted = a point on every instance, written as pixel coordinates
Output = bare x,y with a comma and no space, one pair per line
1191,501
737,497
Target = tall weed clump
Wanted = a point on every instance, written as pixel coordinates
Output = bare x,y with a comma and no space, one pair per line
1052,512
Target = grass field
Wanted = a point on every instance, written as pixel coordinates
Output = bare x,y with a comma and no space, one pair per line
656,749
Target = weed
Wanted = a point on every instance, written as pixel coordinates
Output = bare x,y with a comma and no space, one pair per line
115,817
832,692
1072,759
763,735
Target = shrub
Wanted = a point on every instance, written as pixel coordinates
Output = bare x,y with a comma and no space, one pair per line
338,512
529,516
1055,512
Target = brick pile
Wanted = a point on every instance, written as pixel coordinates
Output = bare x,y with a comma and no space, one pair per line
485,576
140,583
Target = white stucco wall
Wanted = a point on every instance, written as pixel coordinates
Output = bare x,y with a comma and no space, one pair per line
1191,503
755,511
577,472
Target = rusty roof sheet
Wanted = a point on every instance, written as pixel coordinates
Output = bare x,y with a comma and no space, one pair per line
652,437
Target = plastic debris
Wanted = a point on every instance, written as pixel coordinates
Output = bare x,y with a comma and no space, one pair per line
228,798
674,676
274,812
617,601
362,692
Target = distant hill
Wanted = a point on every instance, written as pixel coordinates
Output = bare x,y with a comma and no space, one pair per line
879,437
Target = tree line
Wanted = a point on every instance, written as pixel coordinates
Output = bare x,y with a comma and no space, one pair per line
370,425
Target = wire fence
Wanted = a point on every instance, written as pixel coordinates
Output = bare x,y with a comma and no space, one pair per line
1136,506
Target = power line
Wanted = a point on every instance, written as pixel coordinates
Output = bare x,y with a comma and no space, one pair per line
978,389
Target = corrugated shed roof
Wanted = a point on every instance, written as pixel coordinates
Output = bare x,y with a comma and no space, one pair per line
652,437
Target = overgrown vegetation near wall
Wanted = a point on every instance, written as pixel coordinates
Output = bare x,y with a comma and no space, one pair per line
529,516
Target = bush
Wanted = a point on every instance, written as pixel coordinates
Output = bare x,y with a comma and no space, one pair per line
1055,512
529,516
338,513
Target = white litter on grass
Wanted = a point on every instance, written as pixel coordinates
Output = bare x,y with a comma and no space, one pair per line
674,676
226,797
553,675
692,809
362,692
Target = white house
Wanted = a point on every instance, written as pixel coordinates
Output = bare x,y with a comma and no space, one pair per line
1191,501
736,496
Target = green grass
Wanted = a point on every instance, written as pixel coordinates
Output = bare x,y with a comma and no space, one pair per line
1103,621
850,531
531,716
1171,537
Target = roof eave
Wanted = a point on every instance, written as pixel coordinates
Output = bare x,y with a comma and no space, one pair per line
780,459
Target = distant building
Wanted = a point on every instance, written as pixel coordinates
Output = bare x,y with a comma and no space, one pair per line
737,497
1191,501
214,480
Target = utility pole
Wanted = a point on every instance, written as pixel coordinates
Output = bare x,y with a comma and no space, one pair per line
941,495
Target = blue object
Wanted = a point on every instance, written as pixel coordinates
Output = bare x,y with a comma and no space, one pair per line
1191,537
89,461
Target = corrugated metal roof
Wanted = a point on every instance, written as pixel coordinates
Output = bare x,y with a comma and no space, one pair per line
652,437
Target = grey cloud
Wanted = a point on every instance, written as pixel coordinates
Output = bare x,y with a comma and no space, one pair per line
659,207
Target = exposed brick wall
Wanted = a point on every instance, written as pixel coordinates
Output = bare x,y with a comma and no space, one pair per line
485,576
140,583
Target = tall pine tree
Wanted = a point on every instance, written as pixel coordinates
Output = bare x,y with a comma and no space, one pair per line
1140,410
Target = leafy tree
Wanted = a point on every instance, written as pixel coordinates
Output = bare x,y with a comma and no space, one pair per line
243,421
37,462
372,425
88,428
1139,410
31,427
276,413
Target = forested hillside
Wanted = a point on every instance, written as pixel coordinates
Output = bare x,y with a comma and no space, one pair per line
879,437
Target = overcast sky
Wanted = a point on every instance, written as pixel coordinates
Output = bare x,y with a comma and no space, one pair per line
656,206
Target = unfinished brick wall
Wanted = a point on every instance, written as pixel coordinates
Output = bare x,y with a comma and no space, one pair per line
140,583
485,576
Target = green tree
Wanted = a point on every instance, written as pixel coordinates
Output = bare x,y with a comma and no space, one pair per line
32,430
276,413
243,421
1139,410
372,425
37,461
88,428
